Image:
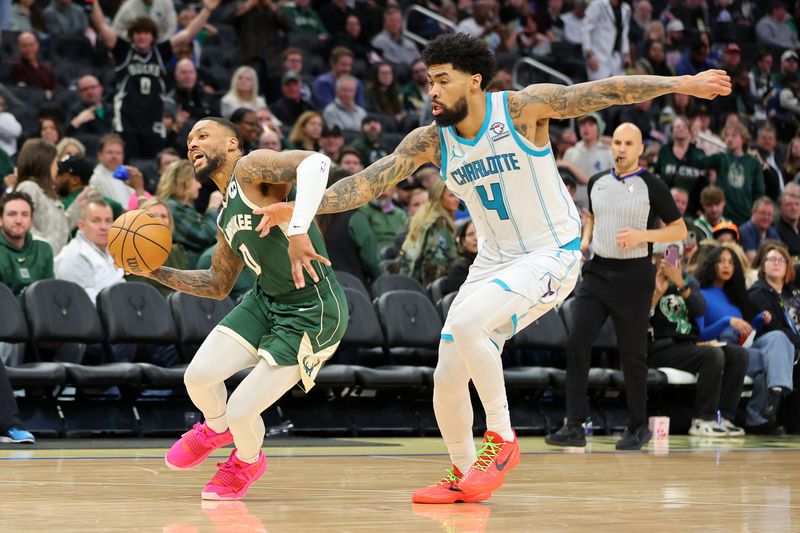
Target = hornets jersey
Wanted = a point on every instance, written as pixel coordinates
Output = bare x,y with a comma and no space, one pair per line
512,188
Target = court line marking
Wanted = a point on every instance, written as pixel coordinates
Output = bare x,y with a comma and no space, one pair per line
343,455
509,495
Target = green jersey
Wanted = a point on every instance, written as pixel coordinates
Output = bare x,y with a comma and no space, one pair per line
266,258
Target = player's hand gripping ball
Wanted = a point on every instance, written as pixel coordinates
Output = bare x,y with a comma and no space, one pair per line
139,242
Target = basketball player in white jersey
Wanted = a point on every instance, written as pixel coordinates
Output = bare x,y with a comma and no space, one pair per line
494,154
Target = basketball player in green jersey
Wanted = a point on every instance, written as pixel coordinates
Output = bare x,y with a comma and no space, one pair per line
282,332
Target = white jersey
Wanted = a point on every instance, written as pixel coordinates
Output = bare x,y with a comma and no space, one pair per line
512,188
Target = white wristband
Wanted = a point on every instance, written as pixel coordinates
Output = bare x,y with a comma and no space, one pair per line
312,180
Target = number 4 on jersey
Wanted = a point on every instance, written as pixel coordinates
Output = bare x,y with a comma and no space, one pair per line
496,203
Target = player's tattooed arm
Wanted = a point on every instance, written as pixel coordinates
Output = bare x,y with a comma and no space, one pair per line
419,147
216,282
544,101
268,166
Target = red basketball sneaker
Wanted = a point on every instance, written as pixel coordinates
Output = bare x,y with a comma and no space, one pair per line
195,446
234,477
495,459
447,491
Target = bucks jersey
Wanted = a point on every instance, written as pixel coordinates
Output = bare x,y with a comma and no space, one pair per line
138,102
266,257
512,188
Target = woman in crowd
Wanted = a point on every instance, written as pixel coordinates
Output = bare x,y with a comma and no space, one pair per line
791,165
243,92
775,293
654,60
69,147
179,188
730,317
177,255
307,131
50,130
429,248
36,169
383,95
467,247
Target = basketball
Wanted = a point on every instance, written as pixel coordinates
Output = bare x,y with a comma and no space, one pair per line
139,242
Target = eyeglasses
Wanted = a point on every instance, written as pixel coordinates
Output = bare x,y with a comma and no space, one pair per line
776,260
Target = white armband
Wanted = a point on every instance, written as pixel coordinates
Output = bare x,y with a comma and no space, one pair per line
312,180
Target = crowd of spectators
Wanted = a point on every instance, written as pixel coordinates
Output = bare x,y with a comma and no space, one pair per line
96,99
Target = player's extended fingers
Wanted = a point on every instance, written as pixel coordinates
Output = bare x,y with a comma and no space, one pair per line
297,274
316,257
310,269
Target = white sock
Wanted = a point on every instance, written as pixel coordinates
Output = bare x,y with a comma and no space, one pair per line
498,418
249,460
218,424
462,454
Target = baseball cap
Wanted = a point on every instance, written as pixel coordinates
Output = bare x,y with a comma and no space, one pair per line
789,54
331,131
291,75
79,166
675,25
726,227
601,125
369,118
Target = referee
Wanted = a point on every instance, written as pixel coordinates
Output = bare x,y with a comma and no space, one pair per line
625,205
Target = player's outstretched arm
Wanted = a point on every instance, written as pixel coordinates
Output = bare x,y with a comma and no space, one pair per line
419,147
545,101
216,282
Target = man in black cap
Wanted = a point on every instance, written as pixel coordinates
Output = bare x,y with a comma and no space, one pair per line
331,142
73,177
291,105
370,146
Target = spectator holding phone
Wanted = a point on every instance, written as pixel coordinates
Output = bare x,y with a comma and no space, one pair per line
677,302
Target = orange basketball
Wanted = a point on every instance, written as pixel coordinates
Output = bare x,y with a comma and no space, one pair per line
139,241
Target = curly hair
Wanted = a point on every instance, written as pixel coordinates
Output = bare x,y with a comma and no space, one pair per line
735,288
466,53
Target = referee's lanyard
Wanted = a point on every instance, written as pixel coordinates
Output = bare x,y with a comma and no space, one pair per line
622,179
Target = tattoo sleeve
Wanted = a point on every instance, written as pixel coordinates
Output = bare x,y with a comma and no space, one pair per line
215,282
419,147
561,101
267,166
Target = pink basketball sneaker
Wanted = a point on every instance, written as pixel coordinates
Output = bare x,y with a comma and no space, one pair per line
195,445
233,478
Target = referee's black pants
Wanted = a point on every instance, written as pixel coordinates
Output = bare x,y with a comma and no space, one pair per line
622,289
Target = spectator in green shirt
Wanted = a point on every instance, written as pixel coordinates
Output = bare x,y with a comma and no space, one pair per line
305,21
193,230
23,258
680,164
739,174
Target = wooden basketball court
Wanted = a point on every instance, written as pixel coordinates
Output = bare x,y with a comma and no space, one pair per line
749,484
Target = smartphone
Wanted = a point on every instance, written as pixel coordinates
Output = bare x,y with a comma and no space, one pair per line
672,255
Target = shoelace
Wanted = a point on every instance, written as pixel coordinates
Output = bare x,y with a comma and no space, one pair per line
487,454
231,468
450,478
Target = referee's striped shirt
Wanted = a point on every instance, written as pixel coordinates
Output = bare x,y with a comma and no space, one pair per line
633,201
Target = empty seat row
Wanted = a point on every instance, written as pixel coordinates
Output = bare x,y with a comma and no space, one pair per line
54,312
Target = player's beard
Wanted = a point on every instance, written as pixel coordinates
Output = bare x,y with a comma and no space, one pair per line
213,162
452,116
